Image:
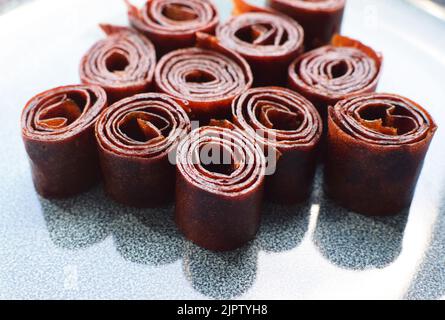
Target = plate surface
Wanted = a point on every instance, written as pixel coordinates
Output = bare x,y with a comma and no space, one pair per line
88,247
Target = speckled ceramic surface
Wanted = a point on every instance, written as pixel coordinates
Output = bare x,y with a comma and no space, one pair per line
88,247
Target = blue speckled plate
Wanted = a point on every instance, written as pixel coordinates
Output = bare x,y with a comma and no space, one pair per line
88,247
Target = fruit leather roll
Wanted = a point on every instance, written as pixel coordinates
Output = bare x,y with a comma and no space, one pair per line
332,73
289,128
219,188
269,42
172,24
376,147
58,132
136,137
321,19
209,76
123,63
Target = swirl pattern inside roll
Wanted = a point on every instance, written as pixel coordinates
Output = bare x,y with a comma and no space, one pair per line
237,169
376,146
269,42
137,137
58,133
277,116
260,34
144,126
209,77
172,24
219,187
333,72
123,63
383,119
289,129
63,112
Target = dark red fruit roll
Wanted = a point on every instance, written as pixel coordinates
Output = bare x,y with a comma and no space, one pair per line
332,73
376,148
172,24
321,19
136,137
123,63
208,76
269,42
287,124
219,188
58,132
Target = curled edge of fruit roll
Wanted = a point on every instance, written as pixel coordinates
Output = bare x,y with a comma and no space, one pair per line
289,129
209,76
137,137
219,188
376,148
123,63
58,133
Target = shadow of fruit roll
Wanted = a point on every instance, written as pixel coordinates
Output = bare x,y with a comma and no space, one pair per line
148,236
220,275
429,282
358,242
282,227
80,221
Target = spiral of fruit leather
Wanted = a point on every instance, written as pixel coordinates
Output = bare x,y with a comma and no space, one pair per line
332,73
123,63
289,128
376,147
269,42
209,76
58,133
321,19
219,187
136,137
173,24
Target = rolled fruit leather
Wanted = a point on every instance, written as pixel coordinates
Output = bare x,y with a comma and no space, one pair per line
219,188
268,40
58,133
123,63
376,148
335,72
209,76
173,24
289,129
321,19
137,137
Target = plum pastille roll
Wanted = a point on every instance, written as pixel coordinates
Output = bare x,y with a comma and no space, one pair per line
332,73
209,76
123,63
58,132
136,137
219,188
269,42
376,147
321,19
173,24
289,128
